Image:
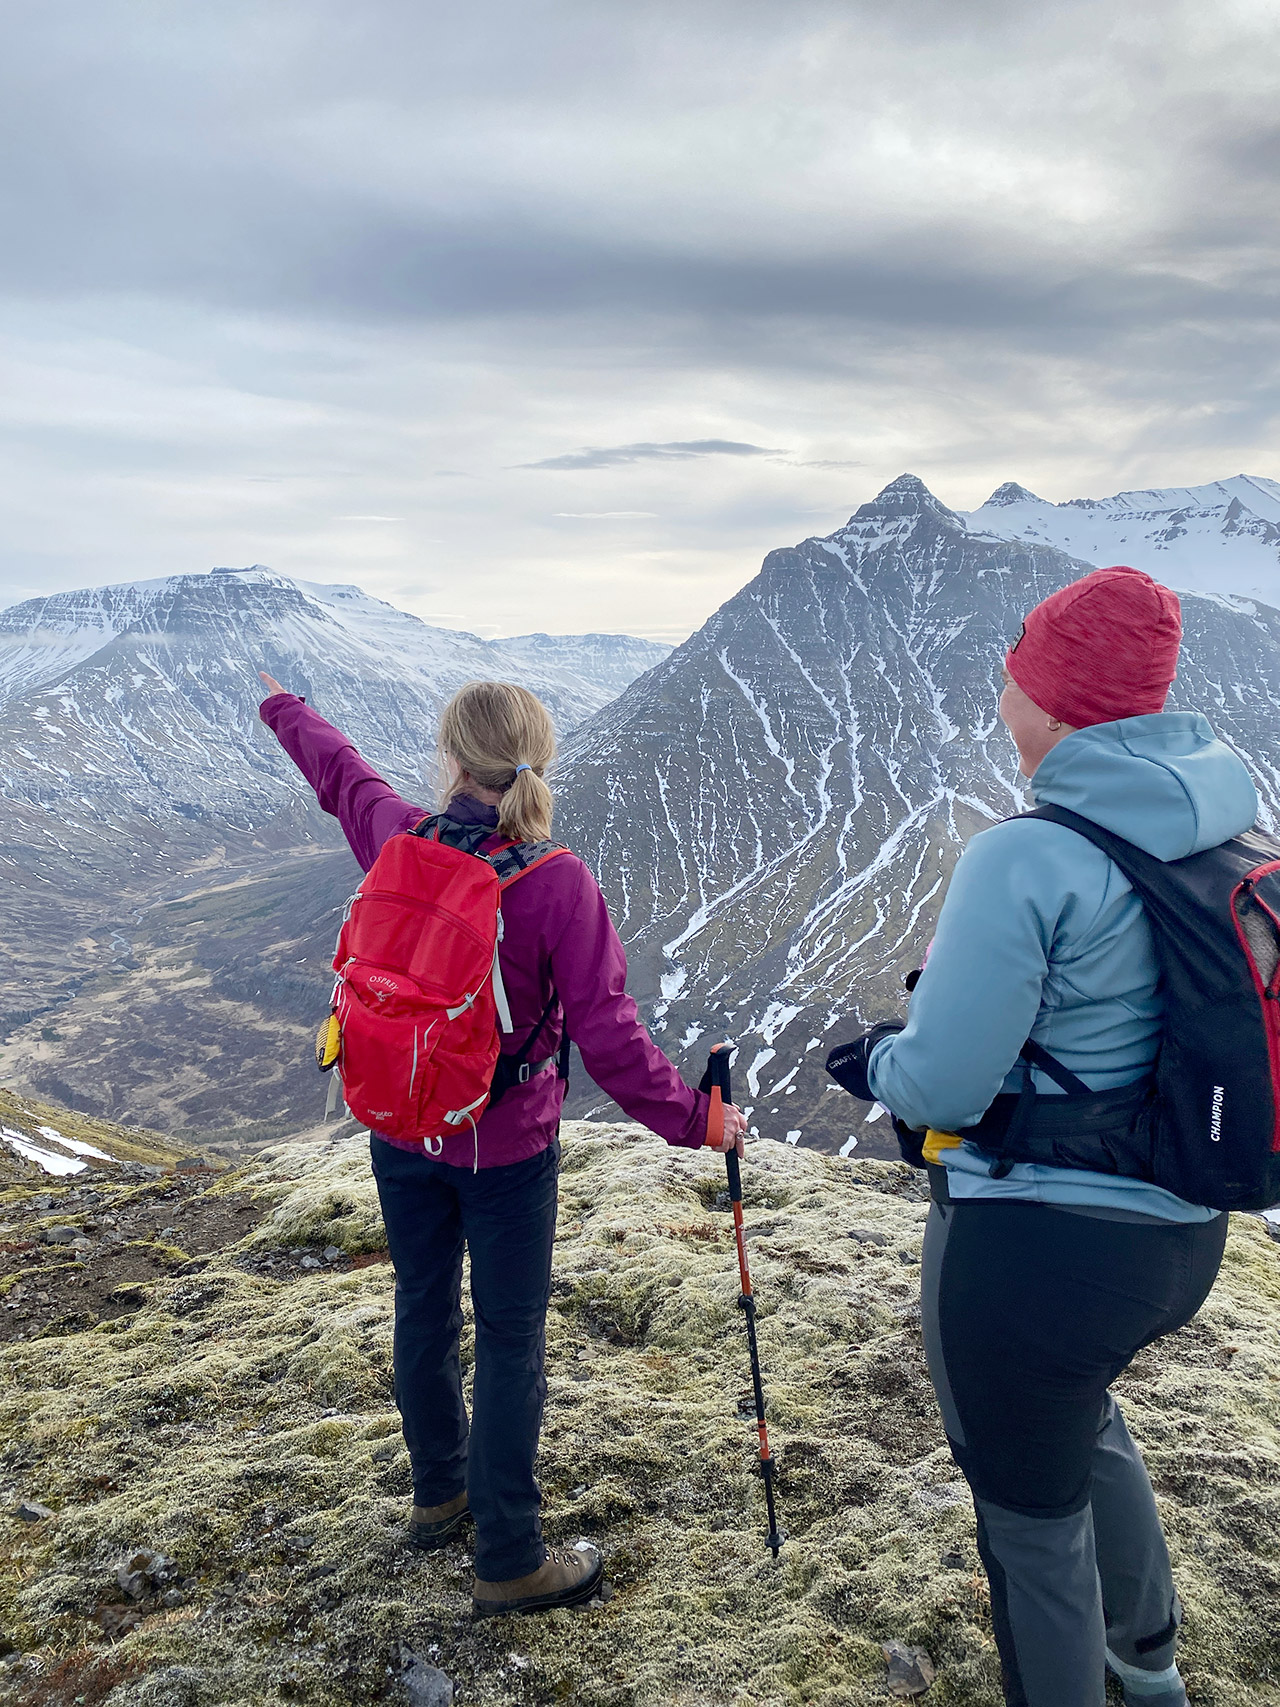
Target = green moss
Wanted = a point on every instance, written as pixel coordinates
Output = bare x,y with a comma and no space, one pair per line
320,1193
244,1427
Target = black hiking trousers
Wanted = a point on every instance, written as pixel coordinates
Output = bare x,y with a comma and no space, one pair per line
1030,1313
506,1218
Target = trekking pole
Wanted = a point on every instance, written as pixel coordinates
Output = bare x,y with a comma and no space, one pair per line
716,1081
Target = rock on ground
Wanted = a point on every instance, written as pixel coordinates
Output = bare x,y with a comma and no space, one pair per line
237,1428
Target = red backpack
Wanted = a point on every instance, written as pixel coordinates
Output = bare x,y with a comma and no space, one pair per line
419,995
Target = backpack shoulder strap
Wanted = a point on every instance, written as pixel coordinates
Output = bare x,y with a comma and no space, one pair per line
1149,876
518,858
510,861
1036,1056
1160,881
1109,843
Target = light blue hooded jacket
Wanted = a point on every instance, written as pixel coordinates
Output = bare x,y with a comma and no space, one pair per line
1042,936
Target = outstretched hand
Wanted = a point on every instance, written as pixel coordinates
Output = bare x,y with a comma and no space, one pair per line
270,683
735,1130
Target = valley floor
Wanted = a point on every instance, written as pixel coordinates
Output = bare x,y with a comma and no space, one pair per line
215,1489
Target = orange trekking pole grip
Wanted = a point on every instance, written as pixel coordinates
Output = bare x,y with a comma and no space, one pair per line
716,1082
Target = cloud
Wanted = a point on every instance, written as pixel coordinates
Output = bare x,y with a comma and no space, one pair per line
254,269
368,518
826,463
605,515
677,450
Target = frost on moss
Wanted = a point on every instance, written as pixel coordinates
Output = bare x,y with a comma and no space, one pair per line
242,1427
321,1193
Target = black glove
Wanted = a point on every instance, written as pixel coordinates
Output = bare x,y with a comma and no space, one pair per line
848,1063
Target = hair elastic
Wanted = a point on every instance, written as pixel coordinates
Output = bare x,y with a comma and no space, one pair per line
520,768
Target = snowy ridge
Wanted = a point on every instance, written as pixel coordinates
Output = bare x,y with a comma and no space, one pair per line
775,809
133,709
1221,538
41,639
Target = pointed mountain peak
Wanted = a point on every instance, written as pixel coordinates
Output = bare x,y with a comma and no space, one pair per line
907,496
1011,493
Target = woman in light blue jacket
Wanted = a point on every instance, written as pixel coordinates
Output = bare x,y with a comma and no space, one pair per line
1041,1283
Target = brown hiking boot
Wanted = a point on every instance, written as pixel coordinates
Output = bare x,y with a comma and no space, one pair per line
434,1526
563,1579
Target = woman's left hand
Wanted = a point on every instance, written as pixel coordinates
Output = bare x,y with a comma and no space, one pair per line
270,683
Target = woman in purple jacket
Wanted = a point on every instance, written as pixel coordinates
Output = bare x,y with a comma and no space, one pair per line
562,964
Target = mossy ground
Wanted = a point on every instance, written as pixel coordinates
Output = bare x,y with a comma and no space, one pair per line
242,1425
134,1214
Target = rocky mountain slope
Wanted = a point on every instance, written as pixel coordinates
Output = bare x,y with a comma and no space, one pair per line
308,629
1223,537
774,810
91,1213
224,1490
136,776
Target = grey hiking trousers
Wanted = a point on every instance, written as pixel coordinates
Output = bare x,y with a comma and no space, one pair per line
1030,1313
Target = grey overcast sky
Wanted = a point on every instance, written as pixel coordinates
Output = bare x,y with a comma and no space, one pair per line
560,313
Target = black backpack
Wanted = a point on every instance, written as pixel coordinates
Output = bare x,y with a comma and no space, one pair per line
1209,1130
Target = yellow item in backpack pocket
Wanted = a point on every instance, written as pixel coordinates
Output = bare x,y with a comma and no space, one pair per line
328,1042
936,1142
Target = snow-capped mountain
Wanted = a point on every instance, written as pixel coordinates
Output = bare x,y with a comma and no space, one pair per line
311,624
775,809
135,771
1219,538
133,709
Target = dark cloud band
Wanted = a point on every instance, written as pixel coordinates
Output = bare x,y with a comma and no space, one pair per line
677,450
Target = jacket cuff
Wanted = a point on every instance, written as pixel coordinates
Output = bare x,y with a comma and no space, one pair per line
275,703
694,1135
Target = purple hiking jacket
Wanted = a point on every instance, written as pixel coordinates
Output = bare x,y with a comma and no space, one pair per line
557,933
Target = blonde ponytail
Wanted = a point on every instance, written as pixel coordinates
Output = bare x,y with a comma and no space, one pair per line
502,737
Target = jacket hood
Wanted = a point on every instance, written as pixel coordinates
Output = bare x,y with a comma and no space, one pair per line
1164,782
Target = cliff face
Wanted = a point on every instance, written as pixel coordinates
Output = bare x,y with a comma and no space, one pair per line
226,1487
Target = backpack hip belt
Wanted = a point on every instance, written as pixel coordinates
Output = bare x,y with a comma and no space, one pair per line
1108,1132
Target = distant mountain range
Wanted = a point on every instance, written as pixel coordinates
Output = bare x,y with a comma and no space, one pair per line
773,809
1219,538
136,771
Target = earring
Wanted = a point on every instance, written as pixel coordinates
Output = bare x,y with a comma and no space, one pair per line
1054,724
